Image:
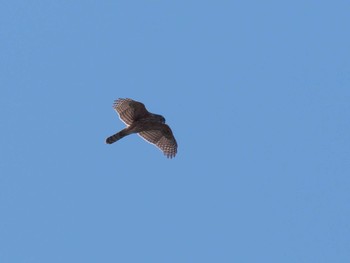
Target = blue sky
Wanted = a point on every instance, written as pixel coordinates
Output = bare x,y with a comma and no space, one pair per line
256,92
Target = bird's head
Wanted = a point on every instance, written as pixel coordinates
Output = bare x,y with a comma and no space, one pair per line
158,118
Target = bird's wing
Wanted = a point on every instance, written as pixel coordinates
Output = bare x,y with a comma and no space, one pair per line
129,110
163,139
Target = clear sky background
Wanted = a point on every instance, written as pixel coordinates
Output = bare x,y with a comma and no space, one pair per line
257,94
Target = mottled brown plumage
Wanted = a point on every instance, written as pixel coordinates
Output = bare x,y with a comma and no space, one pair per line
149,126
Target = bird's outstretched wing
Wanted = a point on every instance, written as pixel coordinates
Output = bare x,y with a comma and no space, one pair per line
130,110
163,139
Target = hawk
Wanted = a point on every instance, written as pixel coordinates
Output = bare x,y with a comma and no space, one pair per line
149,126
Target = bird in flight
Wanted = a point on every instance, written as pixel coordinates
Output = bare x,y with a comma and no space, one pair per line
149,126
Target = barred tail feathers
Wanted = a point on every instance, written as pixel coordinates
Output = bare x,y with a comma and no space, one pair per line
116,137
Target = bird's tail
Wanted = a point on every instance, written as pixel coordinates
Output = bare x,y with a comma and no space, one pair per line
116,137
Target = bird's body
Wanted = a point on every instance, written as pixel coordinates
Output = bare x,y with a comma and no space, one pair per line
137,127
149,126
